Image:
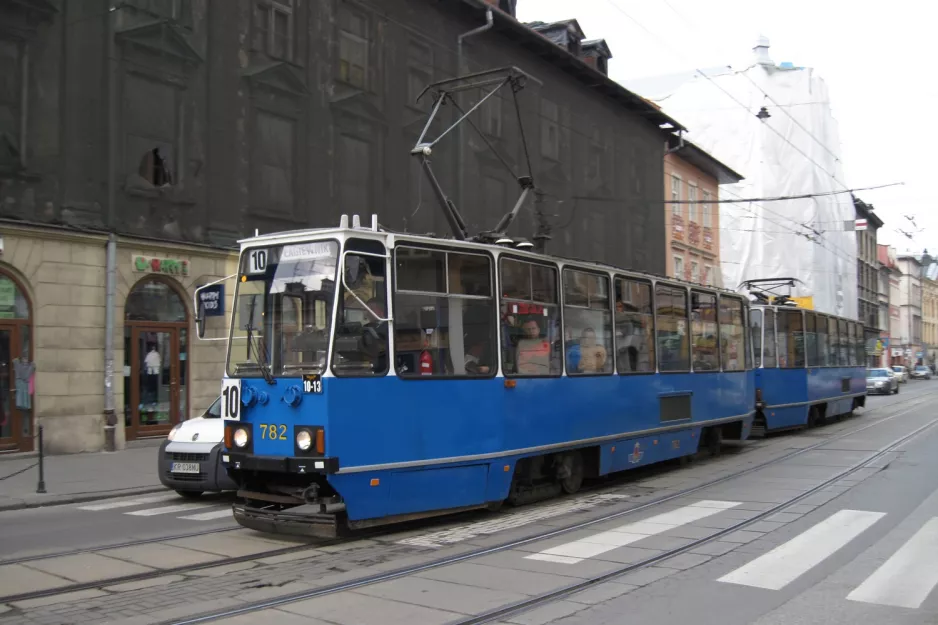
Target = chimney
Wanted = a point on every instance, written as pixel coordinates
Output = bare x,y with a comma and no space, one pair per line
761,51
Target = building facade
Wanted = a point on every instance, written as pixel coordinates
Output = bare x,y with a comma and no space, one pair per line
692,212
886,269
910,309
868,280
162,132
930,313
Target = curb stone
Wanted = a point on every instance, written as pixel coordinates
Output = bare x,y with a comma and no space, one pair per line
59,500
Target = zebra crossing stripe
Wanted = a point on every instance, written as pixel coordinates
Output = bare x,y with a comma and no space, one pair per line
127,503
779,567
208,516
907,578
601,542
185,507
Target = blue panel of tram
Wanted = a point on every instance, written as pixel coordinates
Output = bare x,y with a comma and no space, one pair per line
447,443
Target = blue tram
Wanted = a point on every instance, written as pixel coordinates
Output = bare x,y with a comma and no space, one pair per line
809,367
374,377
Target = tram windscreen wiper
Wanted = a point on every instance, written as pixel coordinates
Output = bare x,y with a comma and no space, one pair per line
262,362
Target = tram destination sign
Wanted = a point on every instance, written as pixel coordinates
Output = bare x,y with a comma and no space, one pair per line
212,300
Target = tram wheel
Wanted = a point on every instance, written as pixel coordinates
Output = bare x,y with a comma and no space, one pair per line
574,479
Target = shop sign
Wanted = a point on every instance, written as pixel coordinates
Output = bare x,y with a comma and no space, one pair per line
212,300
168,266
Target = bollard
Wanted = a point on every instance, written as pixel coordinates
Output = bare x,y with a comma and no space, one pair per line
41,487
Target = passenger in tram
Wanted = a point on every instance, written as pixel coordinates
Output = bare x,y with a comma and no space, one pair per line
592,357
533,351
476,362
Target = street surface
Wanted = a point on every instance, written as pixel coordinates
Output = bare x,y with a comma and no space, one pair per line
862,549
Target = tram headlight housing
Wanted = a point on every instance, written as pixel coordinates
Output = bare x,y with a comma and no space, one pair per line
304,440
241,437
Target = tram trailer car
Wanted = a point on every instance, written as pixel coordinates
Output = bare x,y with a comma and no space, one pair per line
809,367
499,375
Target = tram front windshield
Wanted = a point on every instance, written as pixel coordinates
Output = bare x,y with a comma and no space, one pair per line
283,310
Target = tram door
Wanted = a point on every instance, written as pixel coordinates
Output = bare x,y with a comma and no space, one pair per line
158,393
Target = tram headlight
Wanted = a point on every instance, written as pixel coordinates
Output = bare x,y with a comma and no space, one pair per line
241,437
304,440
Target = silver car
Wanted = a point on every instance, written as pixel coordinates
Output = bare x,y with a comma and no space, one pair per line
901,373
882,381
189,460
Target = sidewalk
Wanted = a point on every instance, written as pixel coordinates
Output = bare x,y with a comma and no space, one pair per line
73,478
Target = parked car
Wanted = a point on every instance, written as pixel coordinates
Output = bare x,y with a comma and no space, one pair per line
921,372
902,373
882,381
189,460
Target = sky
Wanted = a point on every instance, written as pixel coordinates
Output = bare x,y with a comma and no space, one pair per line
877,63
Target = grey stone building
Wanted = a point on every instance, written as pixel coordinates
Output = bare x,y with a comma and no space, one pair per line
158,132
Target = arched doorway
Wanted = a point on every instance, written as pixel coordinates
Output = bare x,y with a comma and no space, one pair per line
16,366
156,347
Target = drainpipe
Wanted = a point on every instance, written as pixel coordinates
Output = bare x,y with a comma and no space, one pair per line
460,146
110,427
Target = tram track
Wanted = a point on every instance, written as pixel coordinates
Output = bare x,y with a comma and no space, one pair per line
533,602
901,409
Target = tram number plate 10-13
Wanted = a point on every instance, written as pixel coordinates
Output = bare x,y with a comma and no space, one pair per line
312,383
231,399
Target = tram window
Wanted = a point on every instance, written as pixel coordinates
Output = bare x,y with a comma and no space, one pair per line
635,327
530,319
444,314
276,330
671,328
843,343
790,339
851,344
810,339
704,331
361,338
861,346
834,338
823,347
769,348
732,334
746,338
755,329
587,323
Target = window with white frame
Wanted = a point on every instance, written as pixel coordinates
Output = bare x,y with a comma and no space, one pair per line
273,25
678,266
695,271
707,208
691,199
708,275
675,194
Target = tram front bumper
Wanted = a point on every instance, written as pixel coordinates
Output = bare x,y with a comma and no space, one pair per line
281,464
306,520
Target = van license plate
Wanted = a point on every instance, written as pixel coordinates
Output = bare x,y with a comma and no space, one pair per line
185,467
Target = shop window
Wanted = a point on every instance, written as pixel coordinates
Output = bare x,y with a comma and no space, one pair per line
444,314
635,327
704,333
530,313
671,328
154,300
587,323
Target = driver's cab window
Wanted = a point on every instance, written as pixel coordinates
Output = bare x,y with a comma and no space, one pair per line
361,338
